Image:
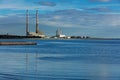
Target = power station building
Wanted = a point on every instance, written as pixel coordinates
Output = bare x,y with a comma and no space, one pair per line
59,34
37,33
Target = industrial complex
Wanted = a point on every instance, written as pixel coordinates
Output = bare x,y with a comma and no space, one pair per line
39,33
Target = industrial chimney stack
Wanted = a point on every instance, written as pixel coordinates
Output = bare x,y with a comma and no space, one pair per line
37,32
37,21
27,23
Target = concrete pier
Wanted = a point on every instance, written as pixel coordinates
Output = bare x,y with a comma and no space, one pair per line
18,43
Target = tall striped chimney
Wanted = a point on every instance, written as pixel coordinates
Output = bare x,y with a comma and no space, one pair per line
27,23
37,21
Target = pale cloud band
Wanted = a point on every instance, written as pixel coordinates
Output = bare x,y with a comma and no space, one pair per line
101,0
45,3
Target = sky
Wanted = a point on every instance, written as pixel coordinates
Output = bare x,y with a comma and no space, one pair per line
95,18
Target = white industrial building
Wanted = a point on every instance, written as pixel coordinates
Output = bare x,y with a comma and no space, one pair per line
59,34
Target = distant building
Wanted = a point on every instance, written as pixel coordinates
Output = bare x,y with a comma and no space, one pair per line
59,34
37,33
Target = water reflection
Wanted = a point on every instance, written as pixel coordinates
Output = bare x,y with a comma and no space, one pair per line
29,66
26,62
34,67
61,61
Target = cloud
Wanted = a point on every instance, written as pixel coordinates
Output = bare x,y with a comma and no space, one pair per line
75,18
66,18
104,9
100,0
12,4
23,5
46,3
100,9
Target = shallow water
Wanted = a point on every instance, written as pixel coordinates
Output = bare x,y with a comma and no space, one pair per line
61,60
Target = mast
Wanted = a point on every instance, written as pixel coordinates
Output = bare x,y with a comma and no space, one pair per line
27,23
37,21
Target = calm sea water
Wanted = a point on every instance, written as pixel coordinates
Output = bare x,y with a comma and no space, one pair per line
61,60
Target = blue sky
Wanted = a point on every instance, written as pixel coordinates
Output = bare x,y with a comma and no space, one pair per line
96,18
